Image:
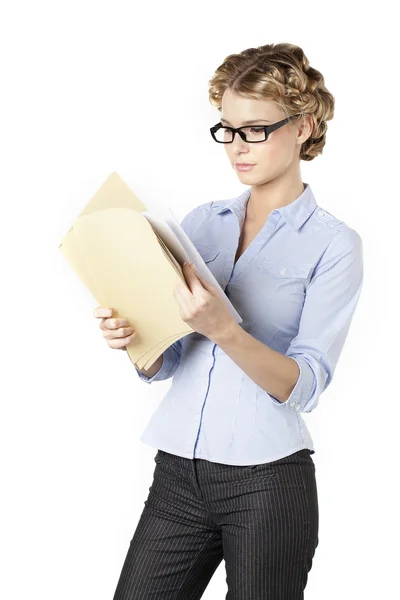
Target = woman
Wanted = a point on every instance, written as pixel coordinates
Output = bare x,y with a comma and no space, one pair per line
234,476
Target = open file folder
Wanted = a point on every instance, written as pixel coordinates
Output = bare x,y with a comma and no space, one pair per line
128,258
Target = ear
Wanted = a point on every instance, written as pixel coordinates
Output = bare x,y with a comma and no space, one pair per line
305,128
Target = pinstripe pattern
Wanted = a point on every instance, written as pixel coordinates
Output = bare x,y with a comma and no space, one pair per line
261,519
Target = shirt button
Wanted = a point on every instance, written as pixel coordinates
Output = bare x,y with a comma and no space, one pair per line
292,403
321,213
297,407
283,271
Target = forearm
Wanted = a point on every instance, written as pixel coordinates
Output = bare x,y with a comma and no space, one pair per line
274,372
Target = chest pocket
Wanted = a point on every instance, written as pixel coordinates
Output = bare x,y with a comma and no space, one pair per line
213,259
207,254
276,276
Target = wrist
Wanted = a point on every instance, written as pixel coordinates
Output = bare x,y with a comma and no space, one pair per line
228,334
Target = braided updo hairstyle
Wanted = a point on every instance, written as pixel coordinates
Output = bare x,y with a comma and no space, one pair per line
281,73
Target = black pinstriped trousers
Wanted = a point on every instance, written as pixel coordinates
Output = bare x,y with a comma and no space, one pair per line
261,519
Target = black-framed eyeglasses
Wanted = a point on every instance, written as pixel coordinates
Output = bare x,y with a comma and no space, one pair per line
250,133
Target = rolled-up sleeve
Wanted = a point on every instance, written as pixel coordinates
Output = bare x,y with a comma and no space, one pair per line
172,354
171,357
331,299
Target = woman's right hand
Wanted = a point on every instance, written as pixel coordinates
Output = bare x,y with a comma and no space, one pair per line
116,331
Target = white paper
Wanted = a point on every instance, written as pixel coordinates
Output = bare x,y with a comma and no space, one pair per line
182,247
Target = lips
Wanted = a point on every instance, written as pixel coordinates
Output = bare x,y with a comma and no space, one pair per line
245,164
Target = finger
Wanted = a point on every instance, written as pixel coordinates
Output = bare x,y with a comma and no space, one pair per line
191,273
118,343
185,300
182,289
194,282
114,323
101,311
208,286
110,334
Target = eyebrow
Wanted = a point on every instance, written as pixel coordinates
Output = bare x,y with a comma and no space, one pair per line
246,122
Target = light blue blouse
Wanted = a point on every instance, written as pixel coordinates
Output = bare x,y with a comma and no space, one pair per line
296,287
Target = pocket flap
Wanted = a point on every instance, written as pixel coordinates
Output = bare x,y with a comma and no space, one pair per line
207,254
283,270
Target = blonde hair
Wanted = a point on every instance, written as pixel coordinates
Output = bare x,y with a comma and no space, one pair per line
281,73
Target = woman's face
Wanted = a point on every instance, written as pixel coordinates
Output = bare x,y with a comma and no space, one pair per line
277,153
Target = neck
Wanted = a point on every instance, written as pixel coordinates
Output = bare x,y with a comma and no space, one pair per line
273,194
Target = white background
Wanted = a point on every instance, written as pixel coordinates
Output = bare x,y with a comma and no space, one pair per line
88,88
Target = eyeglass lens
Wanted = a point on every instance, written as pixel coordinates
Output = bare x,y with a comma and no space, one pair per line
253,134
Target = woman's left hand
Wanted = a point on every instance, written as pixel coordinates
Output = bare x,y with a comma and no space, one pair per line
201,307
